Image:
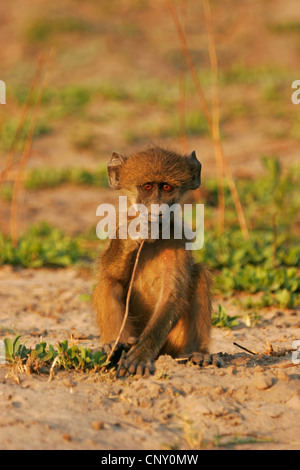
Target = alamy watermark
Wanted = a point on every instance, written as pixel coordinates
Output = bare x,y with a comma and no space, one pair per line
296,94
296,352
2,352
2,92
140,222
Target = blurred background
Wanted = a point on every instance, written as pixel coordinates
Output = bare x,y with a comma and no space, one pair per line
84,79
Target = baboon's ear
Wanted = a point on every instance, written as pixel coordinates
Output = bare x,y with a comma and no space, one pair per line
196,170
113,168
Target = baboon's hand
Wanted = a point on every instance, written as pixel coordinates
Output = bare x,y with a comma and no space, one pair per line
133,363
106,349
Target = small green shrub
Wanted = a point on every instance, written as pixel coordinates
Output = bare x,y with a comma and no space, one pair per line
65,356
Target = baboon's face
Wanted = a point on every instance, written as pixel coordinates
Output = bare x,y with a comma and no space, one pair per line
155,176
153,194
157,197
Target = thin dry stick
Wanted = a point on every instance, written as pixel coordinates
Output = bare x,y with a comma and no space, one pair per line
235,194
34,85
127,301
245,349
1,127
284,366
182,93
190,64
215,112
51,373
217,143
274,254
1,122
181,107
25,156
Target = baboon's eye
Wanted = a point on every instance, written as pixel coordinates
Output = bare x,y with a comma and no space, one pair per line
148,186
167,187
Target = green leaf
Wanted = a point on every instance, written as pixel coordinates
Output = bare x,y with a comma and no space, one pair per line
16,344
49,356
82,352
284,297
222,320
9,349
64,345
22,351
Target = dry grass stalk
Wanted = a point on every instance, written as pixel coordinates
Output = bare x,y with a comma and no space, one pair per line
215,112
182,112
34,85
1,126
127,301
182,90
220,156
274,247
190,63
25,155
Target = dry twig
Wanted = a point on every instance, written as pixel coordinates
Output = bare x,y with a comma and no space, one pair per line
245,349
9,162
220,156
26,152
127,301
182,91
215,129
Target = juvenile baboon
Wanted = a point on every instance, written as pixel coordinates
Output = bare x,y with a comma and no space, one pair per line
170,305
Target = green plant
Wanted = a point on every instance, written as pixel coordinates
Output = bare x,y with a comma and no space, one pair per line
236,440
268,263
222,320
285,27
43,245
42,29
65,356
14,348
42,178
6,191
9,128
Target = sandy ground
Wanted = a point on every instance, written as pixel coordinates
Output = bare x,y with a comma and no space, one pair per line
251,403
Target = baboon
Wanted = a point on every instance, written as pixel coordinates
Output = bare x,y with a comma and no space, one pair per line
170,304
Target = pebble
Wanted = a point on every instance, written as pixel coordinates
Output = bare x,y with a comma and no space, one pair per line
97,425
263,382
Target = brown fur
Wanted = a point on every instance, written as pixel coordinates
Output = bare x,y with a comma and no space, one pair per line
170,307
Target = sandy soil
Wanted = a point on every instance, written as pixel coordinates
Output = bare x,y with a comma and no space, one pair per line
251,403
